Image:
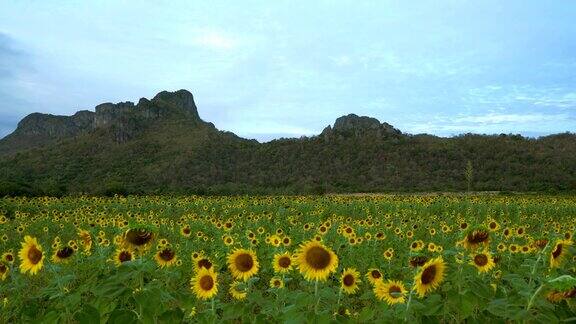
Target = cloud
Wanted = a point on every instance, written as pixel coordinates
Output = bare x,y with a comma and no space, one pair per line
557,96
495,118
215,40
11,59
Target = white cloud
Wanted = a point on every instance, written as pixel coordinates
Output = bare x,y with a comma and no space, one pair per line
495,118
214,40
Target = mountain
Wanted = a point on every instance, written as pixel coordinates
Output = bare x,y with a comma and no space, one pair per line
163,146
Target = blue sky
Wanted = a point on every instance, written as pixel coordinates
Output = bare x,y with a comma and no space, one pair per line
265,69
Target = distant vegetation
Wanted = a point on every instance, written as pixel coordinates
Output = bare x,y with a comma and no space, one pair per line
162,146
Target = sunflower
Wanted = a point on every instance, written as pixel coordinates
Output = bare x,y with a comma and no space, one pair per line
315,261
4,270
559,253
86,240
243,264
8,257
349,281
228,240
276,283
475,238
388,254
483,261
417,261
62,255
166,257
416,246
556,296
31,256
393,292
138,238
236,292
430,276
123,255
186,231
205,283
374,275
513,248
493,225
282,263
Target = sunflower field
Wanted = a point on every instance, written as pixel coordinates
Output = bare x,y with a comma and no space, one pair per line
381,258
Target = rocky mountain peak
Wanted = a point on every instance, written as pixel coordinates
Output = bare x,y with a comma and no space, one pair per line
181,99
123,120
353,125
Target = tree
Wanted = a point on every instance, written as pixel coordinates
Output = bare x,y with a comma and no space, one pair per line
469,174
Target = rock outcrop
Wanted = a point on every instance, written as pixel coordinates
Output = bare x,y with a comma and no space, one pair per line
123,120
357,126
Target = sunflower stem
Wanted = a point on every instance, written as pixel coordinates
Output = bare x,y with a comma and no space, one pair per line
339,296
534,297
408,306
213,310
316,296
536,263
410,297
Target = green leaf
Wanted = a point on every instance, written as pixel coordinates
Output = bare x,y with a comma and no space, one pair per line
366,314
171,316
121,316
88,315
562,283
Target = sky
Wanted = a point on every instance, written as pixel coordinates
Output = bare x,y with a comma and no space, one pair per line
270,69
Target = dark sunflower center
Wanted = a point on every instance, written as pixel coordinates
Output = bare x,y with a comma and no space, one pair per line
34,255
557,251
244,262
125,256
206,283
9,257
284,262
348,280
65,252
541,243
418,261
481,260
138,237
187,231
395,292
276,283
318,258
428,275
167,255
3,268
477,237
376,274
492,225
205,263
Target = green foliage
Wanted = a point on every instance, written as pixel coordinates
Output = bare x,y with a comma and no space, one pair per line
180,156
